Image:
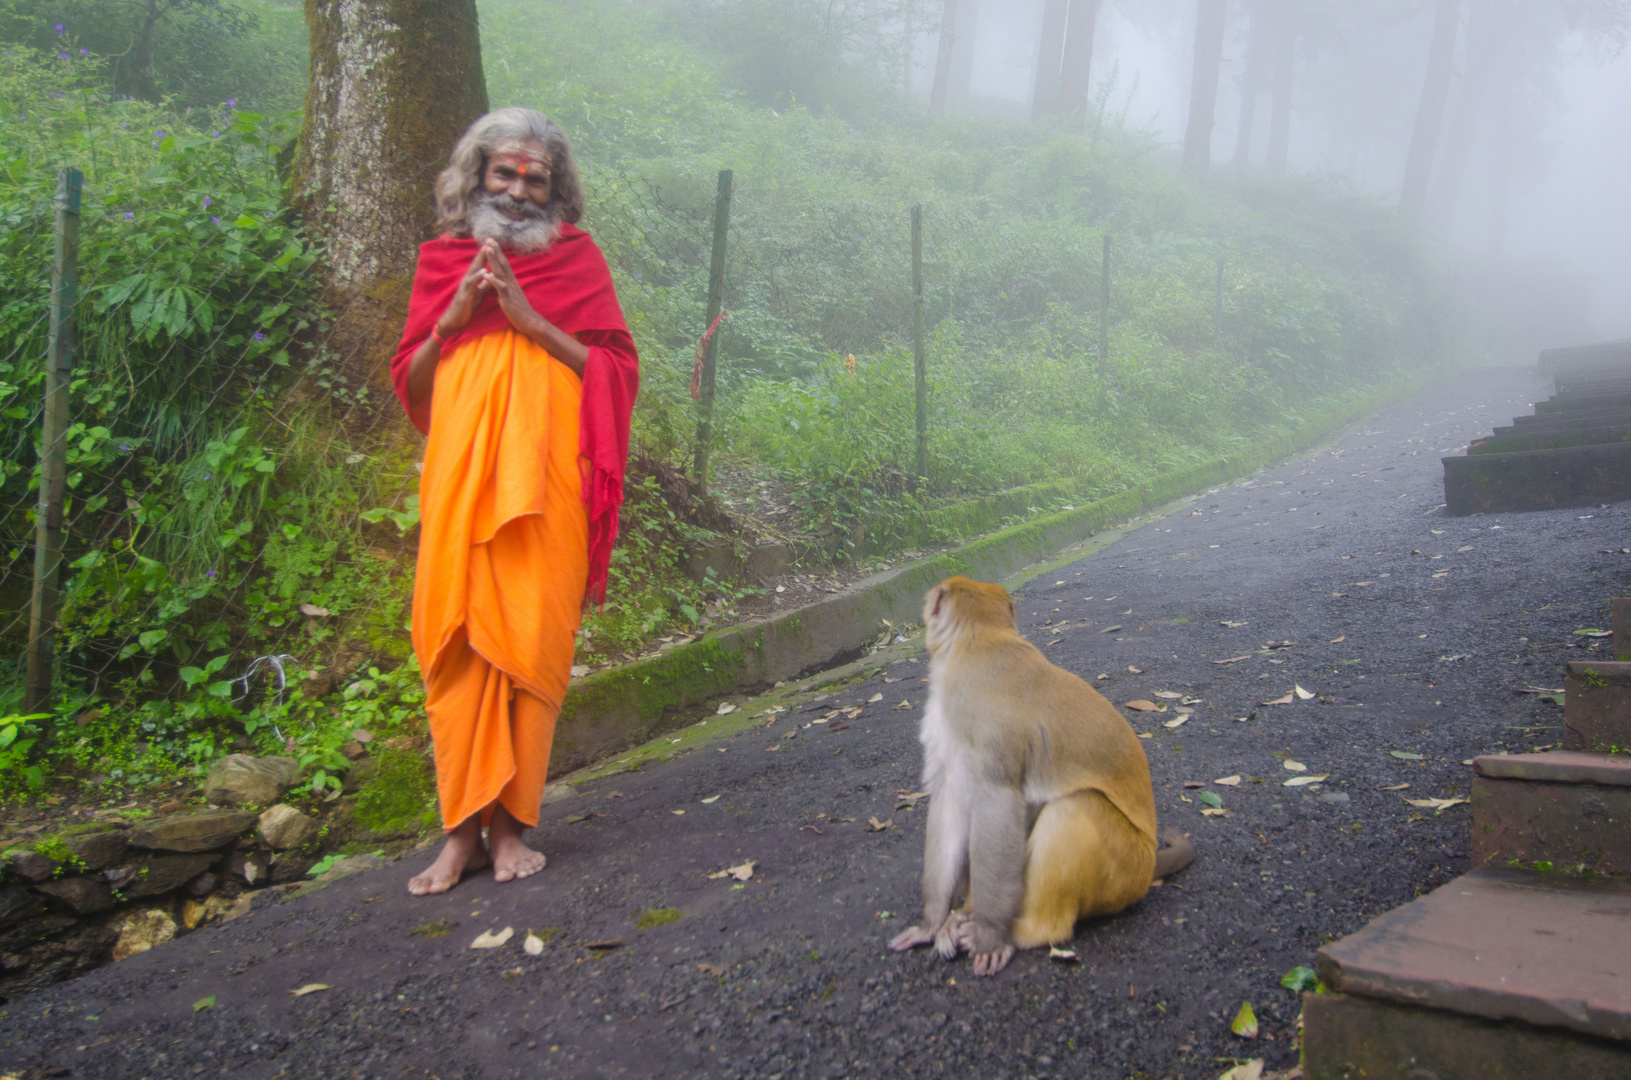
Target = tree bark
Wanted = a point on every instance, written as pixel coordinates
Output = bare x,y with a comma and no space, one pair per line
1435,92
1076,71
1252,84
942,57
1484,25
394,83
1285,64
1050,51
962,53
1203,88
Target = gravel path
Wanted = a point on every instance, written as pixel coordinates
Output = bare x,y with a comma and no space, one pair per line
1412,631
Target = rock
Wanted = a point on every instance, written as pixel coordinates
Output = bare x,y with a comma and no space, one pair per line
356,864
202,885
165,873
17,903
289,866
32,865
283,827
557,792
85,896
98,849
195,913
120,876
192,832
245,865
352,750
405,743
142,930
239,778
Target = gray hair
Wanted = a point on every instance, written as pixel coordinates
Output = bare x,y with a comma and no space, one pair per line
501,127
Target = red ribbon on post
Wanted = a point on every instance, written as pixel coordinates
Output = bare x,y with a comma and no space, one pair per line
702,353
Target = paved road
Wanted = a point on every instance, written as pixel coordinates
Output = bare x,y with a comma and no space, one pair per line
1412,630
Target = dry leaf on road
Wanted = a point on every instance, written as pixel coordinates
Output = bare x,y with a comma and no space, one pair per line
487,939
875,697
1230,625
1300,692
1251,1070
1064,956
1279,700
1109,629
1294,766
1228,781
725,709
1176,723
533,945
309,988
1168,694
1300,781
740,872
905,800
1144,706
1135,670
879,826
1435,804
1214,811
1245,1022
1396,787
710,799
904,704
1233,659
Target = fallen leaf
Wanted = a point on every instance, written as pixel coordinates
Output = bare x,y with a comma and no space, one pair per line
1191,701
1245,1022
875,697
1396,787
879,826
314,611
1251,1070
1278,644
1404,755
487,939
1168,694
204,1003
1129,611
1228,781
609,943
1064,956
534,945
1592,631
1233,659
1539,690
364,737
710,799
1435,804
1279,700
677,813
1231,625
1176,723
740,872
1300,979
1108,629
1210,798
1300,692
1294,766
718,971
309,988
1339,637
1300,781
725,709
905,800
1461,549
1212,811
1144,706
1442,573
1146,734
904,704
1135,670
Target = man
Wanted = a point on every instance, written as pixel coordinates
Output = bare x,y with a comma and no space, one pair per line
517,363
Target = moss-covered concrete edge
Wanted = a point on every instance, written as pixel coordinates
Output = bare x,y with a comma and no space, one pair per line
623,707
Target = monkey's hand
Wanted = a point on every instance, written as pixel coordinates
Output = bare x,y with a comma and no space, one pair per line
953,936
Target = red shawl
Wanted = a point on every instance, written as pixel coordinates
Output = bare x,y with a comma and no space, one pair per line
569,284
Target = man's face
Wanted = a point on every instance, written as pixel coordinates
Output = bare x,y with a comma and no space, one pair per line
520,171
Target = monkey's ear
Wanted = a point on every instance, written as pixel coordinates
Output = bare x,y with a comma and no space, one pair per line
1012,614
939,598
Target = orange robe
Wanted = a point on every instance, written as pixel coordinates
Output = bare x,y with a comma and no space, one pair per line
503,562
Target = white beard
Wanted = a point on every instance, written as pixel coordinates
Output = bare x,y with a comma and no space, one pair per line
529,235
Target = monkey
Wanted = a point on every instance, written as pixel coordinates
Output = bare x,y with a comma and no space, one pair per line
1040,804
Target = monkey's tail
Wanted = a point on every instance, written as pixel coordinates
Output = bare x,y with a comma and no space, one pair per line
1178,854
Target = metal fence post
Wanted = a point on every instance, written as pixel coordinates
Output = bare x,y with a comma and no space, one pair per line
716,301
59,366
1104,330
920,362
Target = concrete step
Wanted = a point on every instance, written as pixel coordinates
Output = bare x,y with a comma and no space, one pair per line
1499,973
1537,479
1562,406
1586,361
1597,705
1607,414
1614,418
1541,438
1561,810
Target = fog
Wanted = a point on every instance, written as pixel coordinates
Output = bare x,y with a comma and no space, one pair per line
1538,134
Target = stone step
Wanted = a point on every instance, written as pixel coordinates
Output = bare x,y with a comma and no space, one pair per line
1597,705
1563,405
1586,361
1499,973
1603,415
1542,438
1537,479
1561,810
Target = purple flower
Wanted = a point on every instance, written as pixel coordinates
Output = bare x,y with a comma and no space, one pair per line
215,134
84,52
214,220
206,200
124,448
59,28
129,216
209,573
208,475
259,336
232,103
62,56
159,133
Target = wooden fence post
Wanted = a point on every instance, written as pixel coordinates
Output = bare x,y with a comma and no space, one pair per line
920,362
1104,330
716,302
1217,316
59,366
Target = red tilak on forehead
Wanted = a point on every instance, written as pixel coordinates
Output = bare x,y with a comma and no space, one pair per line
521,163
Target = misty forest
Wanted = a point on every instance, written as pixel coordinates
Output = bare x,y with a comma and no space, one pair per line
902,274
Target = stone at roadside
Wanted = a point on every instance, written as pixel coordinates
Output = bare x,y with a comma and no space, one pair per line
140,931
165,873
289,866
351,750
356,864
119,876
283,827
405,742
95,850
192,832
31,865
202,885
195,913
248,867
240,778
17,903
85,896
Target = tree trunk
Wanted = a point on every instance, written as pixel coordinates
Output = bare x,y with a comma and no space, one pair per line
1435,92
1050,52
1484,23
1203,89
1252,84
942,57
962,53
394,83
1076,71
1285,64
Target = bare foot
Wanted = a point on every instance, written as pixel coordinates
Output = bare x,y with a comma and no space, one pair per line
512,859
462,853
